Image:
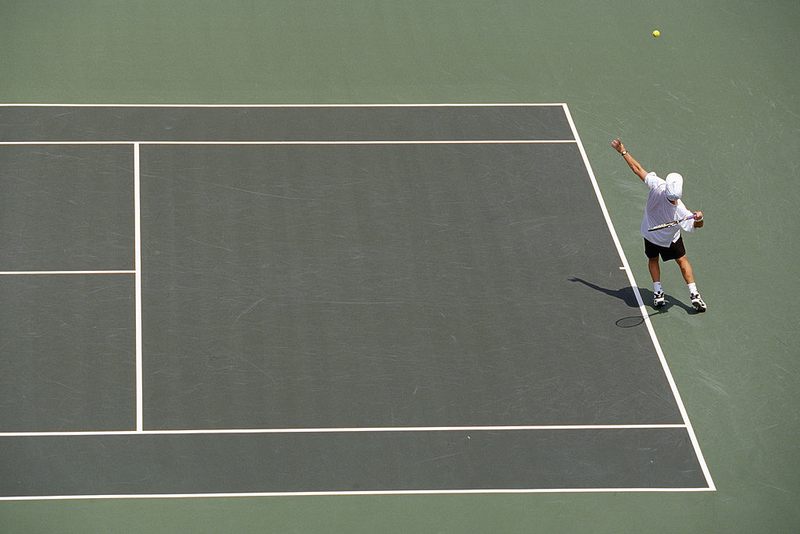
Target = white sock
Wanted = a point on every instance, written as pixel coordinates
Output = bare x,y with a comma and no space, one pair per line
692,288
656,287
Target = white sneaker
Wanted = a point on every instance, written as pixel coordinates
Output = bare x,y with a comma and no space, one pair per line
698,303
658,299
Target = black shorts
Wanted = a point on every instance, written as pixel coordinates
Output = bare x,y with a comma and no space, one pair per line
674,251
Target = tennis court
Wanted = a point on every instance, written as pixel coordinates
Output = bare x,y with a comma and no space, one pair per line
309,267
386,301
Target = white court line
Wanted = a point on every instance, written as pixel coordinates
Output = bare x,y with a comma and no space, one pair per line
245,143
38,143
351,493
344,430
424,105
138,286
123,271
673,386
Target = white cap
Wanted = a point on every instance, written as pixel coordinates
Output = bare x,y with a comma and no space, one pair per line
674,186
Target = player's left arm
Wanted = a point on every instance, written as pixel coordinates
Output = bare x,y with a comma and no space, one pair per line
635,166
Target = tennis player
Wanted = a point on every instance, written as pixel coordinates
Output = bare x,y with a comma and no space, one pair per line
664,205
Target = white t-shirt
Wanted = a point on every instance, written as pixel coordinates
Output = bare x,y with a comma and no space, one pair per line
659,210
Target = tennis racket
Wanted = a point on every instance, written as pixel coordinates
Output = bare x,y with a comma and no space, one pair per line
673,223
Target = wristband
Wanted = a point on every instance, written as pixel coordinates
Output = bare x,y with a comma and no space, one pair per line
623,153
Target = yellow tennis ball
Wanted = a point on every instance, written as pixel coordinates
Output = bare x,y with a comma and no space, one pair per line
656,33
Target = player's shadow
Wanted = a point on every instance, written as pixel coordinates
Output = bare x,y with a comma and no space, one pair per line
625,294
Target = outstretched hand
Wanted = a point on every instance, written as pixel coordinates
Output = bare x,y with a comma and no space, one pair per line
635,166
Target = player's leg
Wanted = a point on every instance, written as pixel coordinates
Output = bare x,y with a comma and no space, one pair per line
688,275
686,269
652,252
655,269
655,273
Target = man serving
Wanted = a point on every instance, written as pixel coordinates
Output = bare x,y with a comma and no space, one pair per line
664,205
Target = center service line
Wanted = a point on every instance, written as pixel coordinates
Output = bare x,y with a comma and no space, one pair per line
138,284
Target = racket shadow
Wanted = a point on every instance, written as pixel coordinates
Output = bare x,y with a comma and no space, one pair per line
637,320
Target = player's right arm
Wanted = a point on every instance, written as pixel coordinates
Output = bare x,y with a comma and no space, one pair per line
632,163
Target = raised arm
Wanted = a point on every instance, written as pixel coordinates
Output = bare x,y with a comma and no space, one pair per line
617,145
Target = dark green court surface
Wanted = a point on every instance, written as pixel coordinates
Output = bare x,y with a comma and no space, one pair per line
329,299
66,207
